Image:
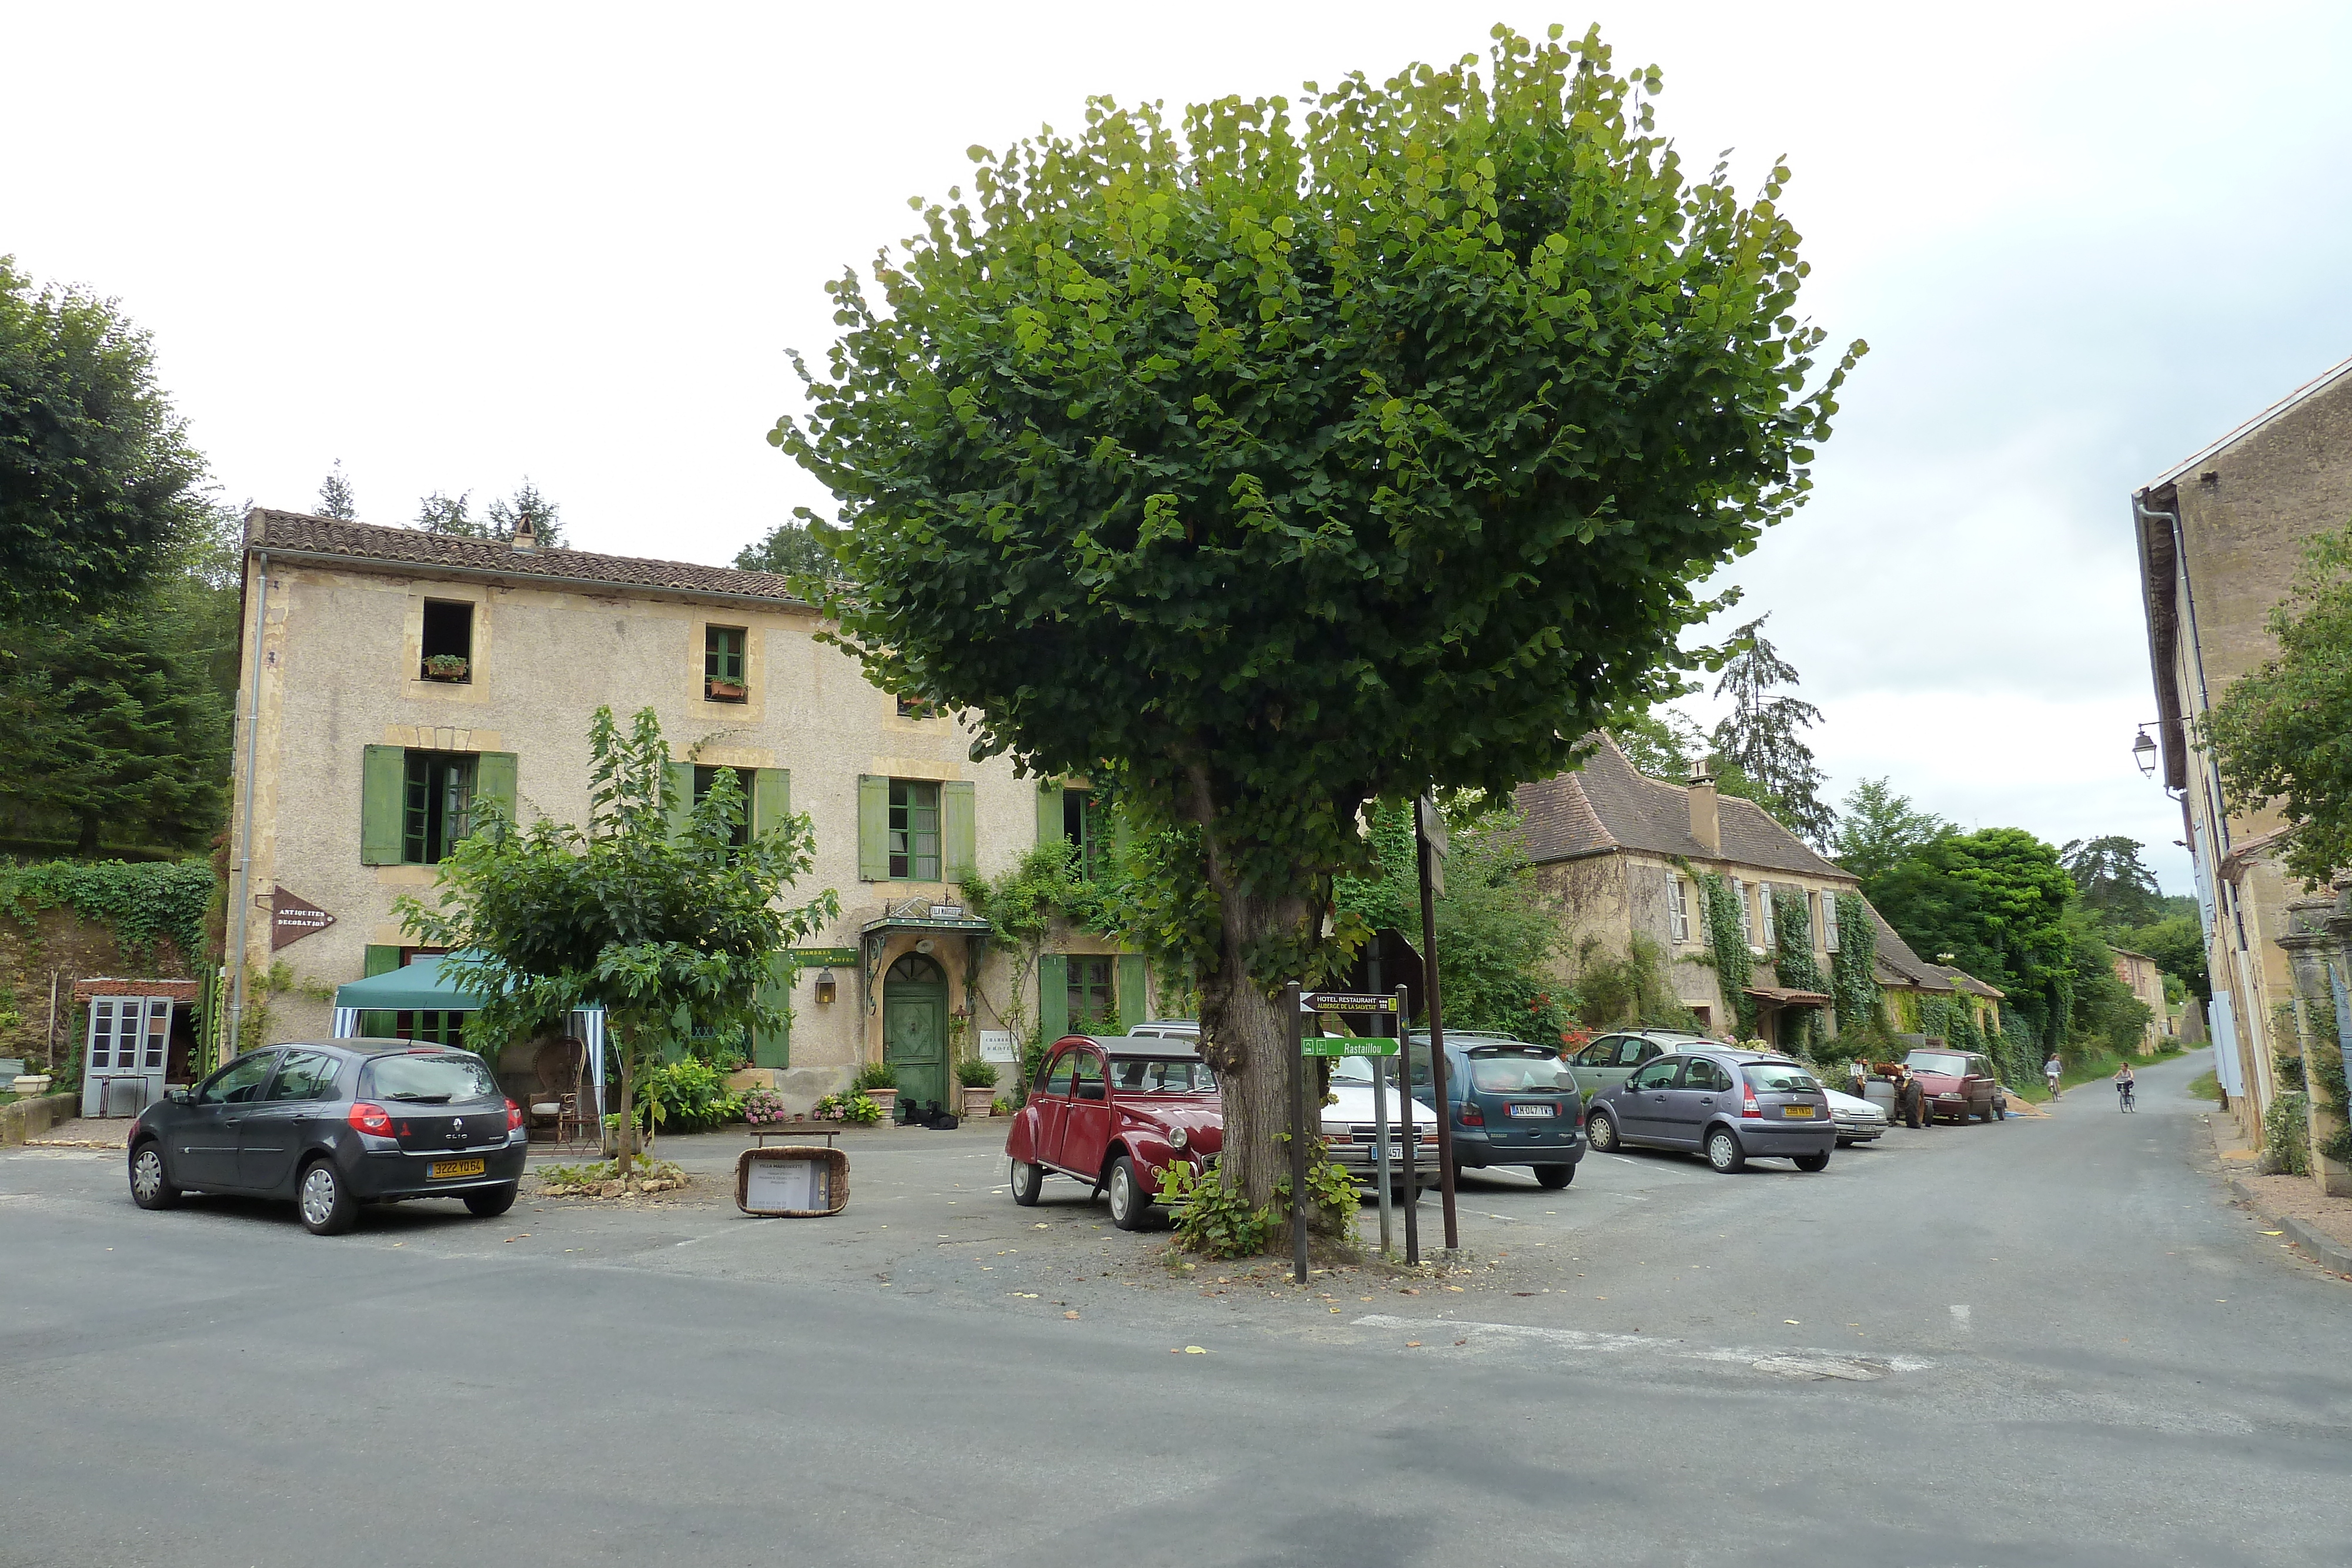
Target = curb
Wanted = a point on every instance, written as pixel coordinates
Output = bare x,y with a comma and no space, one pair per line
2326,1247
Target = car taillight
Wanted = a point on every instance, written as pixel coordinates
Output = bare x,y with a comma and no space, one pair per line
514,1115
1470,1116
1751,1108
374,1120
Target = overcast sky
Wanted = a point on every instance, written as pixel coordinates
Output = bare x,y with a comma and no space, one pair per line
456,246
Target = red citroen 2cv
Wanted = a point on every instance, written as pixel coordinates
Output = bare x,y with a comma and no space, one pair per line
1114,1112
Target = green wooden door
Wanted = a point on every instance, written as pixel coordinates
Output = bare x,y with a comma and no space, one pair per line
914,1030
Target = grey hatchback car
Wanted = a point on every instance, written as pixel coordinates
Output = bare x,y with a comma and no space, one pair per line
1731,1106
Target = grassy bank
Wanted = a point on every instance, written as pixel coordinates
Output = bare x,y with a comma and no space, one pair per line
2208,1087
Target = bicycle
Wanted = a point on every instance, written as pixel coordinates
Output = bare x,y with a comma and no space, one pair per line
2127,1099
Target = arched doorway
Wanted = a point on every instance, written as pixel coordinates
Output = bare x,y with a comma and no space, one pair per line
914,1030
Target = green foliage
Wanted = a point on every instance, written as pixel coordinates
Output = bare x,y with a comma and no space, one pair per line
1761,737
97,477
2206,1086
138,903
686,1096
2286,1135
1632,989
1793,963
1333,1202
1658,741
671,932
1213,1219
1879,830
875,1075
441,514
790,550
973,1073
2282,733
1735,966
2115,886
335,496
2177,943
2105,1009
1996,900
763,1107
854,1109
1852,967
1265,467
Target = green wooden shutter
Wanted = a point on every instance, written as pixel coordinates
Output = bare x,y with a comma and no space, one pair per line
771,798
1049,813
1053,997
681,806
773,1048
384,781
494,779
379,960
873,828
1134,990
958,832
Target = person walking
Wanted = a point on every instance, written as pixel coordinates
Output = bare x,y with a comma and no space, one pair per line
2050,1072
2125,1081
1910,1101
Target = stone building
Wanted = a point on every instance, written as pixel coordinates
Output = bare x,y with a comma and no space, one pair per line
2220,536
1621,853
393,678
2138,971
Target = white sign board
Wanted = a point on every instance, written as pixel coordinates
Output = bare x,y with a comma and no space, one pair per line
788,1184
996,1045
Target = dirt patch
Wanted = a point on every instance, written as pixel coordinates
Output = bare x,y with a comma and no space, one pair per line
2297,1198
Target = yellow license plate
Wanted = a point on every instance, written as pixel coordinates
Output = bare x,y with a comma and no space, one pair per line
442,1169
1797,1113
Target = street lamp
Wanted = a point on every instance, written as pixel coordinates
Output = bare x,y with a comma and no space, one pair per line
2144,753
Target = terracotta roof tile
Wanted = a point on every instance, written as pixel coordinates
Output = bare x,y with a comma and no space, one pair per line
1608,804
299,532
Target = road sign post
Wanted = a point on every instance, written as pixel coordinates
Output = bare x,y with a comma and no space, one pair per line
1298,1135
1377,1006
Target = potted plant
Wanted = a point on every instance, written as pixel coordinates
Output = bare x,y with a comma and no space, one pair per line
446,667
858,1110
979,1081
722,691
878,1081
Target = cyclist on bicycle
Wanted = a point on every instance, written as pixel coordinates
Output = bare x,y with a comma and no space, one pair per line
2124,1082
2050,1072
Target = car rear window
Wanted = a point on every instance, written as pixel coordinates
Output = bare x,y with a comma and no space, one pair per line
1937,1061
428,1079
1779,1077
1520,1072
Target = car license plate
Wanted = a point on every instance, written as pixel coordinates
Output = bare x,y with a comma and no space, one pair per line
1797,1113
443,1170
1535,1110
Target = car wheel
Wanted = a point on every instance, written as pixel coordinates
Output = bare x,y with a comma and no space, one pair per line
1723,1151
150,1184
490,1202
1026,1179
1131,1206
1601,1131
327,1205
1820,1162
1555,1176
2000,1110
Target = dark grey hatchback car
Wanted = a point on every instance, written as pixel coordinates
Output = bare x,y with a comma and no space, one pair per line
332,1127
1731,1106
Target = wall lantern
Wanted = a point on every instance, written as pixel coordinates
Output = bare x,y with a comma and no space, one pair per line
2144,753
826,988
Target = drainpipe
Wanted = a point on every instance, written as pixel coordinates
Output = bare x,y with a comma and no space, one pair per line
243,905
2221,829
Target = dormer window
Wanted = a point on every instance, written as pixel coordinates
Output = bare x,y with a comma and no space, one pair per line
723,677
448,643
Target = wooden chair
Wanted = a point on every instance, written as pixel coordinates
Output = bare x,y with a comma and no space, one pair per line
558,1069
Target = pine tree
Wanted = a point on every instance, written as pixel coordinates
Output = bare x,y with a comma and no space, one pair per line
335,498
442,513
1761,737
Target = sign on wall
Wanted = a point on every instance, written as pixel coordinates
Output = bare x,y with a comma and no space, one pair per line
824,958
996,1045
292,918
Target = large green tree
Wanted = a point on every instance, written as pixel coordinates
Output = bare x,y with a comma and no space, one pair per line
2282,733
97,477
1761,740
2115,884
667,928
1997,901
1269,464
445,514
1879,830
789,550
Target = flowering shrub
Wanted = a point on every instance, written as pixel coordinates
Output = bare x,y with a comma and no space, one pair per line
763,1107
854,1109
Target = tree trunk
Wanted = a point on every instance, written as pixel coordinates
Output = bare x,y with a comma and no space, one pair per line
1244,1034
625,1142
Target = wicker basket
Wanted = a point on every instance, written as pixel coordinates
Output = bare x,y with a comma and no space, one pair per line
834,1167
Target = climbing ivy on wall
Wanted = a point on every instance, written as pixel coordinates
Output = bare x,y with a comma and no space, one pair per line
1854,979
138,903
1793,961
1733,966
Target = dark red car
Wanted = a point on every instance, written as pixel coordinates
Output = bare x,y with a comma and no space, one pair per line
1114,1113
1958,1084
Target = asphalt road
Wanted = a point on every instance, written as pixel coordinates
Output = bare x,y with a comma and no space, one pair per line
2035,1342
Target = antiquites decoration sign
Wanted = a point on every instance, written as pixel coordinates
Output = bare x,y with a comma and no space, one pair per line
291,918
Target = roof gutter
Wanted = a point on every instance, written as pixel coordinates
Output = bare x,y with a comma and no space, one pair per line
536,580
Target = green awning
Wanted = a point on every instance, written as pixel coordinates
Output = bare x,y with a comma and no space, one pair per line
419,988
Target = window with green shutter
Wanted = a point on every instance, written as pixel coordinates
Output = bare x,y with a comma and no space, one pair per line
1053,996
436,804
914,831
723,670
1093,997
771,798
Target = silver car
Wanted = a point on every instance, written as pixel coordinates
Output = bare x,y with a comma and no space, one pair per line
1732,1106
1611,1058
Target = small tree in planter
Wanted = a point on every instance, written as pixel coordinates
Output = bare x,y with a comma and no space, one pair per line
666,931
878,1081
979,1081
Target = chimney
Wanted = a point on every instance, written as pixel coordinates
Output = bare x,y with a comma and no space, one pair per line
526,537
1705,825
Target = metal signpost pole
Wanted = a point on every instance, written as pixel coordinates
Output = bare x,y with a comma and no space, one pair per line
1381,1143
1429,832
1297,1133
1406,1141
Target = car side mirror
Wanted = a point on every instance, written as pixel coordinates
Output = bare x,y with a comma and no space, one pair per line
181,1096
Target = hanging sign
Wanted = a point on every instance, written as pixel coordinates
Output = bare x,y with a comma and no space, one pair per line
292,918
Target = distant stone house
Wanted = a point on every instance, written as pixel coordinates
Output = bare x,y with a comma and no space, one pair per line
1621,853
394,679
2138,971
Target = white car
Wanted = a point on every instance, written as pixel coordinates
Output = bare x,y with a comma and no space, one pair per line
1858,1121
1350,1131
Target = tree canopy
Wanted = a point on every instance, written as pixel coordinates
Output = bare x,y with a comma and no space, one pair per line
1761,740
1880,829
2115,885
789,550
1268,464
668,928
2282,733
335,496
444,514
97,475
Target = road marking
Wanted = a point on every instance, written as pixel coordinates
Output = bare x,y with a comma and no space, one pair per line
1801,1364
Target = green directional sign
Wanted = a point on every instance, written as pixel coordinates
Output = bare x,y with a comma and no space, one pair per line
1345,1045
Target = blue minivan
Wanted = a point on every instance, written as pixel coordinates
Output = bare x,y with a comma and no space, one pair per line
1513,1104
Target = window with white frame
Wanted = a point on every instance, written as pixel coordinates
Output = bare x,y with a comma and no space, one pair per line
1829,923
1678,908
1747,919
